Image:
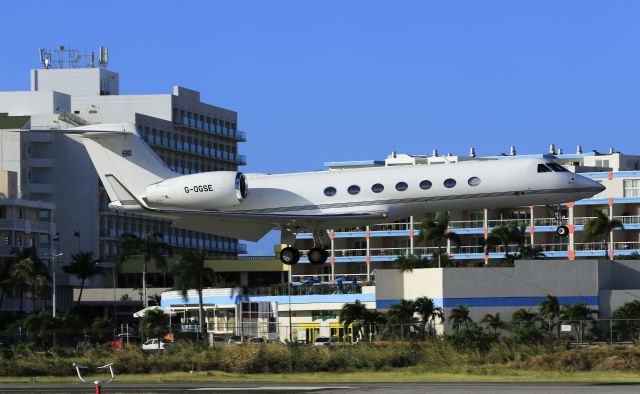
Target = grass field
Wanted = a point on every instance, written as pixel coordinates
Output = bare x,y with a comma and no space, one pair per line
411,374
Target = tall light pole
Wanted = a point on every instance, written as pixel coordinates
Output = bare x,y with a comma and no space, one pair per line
53,268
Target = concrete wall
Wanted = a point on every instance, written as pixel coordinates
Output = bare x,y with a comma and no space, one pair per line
29,103
76,81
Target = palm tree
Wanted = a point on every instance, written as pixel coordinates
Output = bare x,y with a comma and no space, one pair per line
28,267
402,315
191,273
599,229
84,267
550,311
524,317
494,321
459,316
354,313
579,312
506,235
428,311
151,248
437,231
155,320
19,273
407,263
5,282
627,320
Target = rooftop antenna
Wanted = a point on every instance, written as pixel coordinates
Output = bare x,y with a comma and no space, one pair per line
62,57
560,151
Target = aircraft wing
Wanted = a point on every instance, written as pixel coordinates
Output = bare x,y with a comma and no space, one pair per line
252,227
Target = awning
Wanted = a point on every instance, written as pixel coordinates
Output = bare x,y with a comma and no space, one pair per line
143,312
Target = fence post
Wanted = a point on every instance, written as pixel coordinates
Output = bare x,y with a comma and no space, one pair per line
402,332
610,330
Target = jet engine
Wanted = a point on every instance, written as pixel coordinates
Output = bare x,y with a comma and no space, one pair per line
208,190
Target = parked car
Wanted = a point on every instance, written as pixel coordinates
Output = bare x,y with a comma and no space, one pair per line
260,340
329,341
235,340
156,344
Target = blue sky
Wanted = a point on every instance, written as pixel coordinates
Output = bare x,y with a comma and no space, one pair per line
352,80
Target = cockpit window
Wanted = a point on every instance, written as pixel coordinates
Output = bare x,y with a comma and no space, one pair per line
557,167
543,168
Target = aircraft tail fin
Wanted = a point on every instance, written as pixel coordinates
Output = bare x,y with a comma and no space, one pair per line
119,150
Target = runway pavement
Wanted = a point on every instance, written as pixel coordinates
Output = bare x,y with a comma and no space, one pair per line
448,388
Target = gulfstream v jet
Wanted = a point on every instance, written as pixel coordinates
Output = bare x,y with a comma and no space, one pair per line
247,206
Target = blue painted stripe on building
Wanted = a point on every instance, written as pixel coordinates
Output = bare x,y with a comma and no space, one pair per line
298,299
478,302
605,201
616,174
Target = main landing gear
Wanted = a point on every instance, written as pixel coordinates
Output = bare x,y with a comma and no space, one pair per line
316,255
562,230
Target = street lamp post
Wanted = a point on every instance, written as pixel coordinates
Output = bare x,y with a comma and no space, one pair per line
53,268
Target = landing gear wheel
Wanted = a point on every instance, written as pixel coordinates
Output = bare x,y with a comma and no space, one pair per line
317,256
289,255
562,231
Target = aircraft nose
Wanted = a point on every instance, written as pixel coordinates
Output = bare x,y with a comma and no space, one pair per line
586,184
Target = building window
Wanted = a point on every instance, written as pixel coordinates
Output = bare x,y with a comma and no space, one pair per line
401,186
425,185
353,189
330,191
632,188
474,181
449,183
377,188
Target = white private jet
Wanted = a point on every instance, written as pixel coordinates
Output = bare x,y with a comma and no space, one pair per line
247,206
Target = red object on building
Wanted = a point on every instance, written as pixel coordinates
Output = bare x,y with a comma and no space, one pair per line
572,255
572,228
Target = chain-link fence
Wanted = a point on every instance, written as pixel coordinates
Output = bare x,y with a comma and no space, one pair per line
577,333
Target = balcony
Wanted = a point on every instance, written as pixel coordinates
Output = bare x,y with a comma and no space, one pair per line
205,127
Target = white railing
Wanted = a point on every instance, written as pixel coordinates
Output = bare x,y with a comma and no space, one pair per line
581,221
553,247
502,222
626,245
426,250
390,227
350,252
588,246
390,251
628,219
545,222
454,224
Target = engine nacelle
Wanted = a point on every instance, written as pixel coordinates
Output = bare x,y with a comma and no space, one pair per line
208,190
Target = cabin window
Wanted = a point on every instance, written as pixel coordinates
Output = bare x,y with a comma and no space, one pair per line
474,181
401,186
449,183
330,191
557,167
543,168
425,185
377,188
353,189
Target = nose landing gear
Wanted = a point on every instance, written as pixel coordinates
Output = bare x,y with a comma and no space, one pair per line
562,230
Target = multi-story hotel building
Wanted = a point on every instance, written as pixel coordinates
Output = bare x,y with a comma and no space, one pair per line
188,134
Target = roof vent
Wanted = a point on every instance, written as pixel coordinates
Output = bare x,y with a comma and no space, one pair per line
560,151
552,149
611,151
472,152
434,153
512,151
579,150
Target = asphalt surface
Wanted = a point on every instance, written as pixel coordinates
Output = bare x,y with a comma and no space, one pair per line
448,388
